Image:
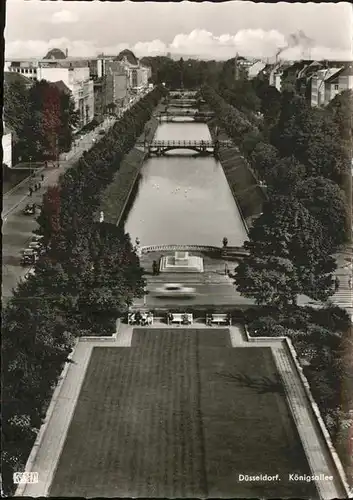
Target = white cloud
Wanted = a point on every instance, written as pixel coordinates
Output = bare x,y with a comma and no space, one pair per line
247,42
64,17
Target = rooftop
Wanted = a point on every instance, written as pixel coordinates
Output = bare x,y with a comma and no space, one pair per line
130,56
343,71
56,54
61,86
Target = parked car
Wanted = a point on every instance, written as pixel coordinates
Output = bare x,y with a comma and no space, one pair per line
29,257
37,237
37,246
29,209
29,273
101,132
175,290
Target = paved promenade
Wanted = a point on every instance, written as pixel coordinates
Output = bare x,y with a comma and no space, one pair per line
56,427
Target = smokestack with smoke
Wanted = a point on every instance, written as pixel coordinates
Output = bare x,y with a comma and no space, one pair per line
298,39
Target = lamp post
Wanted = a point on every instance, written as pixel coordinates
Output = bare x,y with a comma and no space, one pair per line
30,170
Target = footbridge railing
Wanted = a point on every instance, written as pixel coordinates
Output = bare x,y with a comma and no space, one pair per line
182,144
202,147
196,248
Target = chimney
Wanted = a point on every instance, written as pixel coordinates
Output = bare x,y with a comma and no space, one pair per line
67,52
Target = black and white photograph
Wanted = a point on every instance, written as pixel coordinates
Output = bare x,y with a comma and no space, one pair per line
177,297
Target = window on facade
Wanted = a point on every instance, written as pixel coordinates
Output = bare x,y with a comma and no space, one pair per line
336,87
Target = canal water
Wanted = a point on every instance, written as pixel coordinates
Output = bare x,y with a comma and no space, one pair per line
183,199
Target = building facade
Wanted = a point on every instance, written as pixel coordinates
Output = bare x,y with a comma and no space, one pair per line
95,83
77,79
321,91
25,67
7,147
340,81
117,84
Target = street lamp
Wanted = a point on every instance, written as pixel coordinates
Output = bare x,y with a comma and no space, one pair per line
30,169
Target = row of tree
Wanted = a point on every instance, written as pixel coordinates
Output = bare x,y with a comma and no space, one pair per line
304,222
176,74
42,117
87,278
234,122
306,217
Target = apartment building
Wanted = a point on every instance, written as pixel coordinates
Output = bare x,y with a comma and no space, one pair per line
340,81
75,74
116,84
24,67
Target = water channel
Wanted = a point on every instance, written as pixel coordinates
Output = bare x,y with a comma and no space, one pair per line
183,199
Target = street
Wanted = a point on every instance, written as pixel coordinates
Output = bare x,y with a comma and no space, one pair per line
17,228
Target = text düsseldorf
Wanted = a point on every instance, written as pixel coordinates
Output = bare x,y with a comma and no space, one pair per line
292,477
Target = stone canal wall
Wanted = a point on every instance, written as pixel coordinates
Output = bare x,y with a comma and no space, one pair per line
118,194
248,195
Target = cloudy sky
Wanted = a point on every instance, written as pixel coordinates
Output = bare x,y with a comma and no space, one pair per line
205,30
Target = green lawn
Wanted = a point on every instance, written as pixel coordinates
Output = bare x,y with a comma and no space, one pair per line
173,416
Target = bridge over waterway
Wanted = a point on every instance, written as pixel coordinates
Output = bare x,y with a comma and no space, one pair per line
225,252
197,116
201,147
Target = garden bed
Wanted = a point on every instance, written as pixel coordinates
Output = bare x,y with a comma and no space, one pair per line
180,414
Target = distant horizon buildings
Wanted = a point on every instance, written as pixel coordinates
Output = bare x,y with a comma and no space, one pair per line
94,82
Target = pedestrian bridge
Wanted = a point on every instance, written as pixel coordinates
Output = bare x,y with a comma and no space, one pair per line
170,116
221,251
183,93
160,148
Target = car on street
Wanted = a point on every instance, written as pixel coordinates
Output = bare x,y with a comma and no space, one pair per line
37,237
29,209
37,247
29,257
101,132
29,273
174,290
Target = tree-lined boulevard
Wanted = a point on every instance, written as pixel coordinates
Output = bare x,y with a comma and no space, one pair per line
90,273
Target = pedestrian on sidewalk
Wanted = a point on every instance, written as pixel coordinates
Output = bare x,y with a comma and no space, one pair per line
39,185
350,282
30,191
42,177
337,284
226,271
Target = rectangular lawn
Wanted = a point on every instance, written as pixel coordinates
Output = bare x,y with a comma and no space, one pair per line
180,414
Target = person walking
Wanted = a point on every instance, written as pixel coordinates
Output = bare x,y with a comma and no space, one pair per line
42,177
154,268
337,284
350,282
30,191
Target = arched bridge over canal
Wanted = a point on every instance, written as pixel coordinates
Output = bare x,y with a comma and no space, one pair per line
211,147
170,116
222,252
